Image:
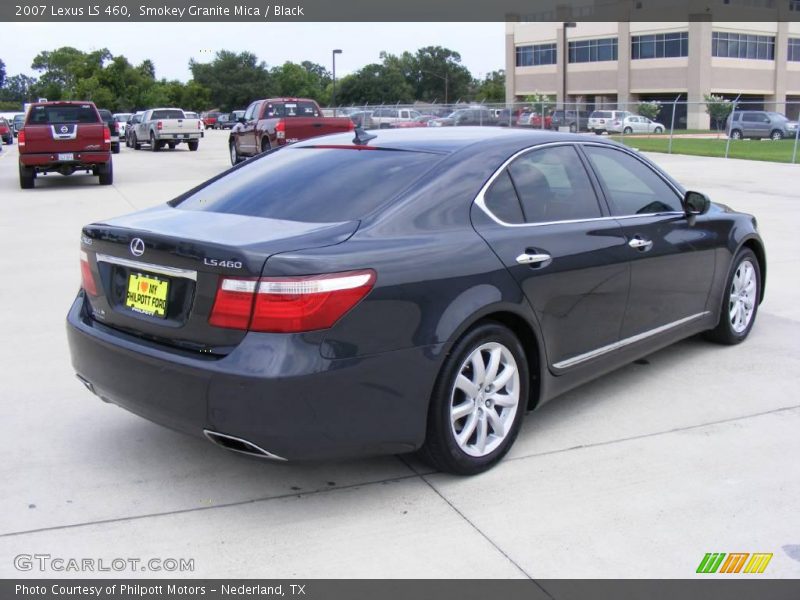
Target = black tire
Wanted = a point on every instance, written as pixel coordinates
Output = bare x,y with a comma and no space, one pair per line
137,145
627,130
736,134
194,145
658,130
598,132
115,148
776,135
154,145
441,449
106,173
27,175
265,145
725,332
234,153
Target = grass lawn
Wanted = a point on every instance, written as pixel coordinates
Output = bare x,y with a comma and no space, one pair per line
780,151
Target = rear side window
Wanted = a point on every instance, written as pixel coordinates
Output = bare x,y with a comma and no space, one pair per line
633,187
553,186
501,199
313,185
168,113
58,114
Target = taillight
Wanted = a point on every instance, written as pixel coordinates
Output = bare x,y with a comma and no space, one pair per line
21,137
87,279
280,130
106,136
159,125
198,124
289,304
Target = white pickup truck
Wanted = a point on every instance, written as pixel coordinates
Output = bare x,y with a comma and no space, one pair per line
161,127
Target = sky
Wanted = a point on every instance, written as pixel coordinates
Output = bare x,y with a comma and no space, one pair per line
171,45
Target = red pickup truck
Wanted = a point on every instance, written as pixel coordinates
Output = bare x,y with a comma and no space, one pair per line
275,122
64,137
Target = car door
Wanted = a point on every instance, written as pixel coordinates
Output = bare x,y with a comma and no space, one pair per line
546,224
672,257
246,132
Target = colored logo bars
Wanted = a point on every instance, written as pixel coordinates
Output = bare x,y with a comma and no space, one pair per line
716,562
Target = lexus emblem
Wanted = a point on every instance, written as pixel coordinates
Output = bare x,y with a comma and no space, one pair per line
137,246
64,129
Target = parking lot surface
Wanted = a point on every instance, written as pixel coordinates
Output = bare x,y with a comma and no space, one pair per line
638,474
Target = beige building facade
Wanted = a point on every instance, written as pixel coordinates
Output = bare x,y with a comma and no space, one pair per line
612,64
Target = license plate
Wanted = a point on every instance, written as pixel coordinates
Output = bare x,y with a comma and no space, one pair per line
147,295
66,156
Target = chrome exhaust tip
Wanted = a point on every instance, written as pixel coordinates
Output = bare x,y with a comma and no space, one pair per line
235,444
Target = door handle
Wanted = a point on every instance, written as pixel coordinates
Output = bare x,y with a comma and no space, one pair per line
532,259
639,243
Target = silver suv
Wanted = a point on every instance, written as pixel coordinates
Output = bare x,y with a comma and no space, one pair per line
758,124
599,120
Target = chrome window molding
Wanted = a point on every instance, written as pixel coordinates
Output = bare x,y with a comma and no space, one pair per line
576,360
135,264
480,200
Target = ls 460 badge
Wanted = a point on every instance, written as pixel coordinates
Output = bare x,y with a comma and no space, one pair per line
228,264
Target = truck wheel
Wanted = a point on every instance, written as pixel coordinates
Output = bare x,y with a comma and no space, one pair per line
154,145
137,145
26,177
776,135
235,158
106,173
115,148
265,145
194,145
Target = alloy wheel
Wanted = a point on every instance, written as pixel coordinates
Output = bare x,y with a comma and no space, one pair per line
742,299
484,399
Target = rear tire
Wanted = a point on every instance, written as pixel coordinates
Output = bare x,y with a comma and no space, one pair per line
627,130
194,145
265,145
598,132
137,145
478,402
658,130
740,299
776,135
106,173
154,145
27,175
115,148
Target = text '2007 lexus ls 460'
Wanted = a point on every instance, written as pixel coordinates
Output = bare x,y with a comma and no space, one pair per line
418,290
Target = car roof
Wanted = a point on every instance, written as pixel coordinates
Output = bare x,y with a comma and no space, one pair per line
448,140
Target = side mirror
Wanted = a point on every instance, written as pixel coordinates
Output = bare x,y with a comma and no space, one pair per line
696,203
241,120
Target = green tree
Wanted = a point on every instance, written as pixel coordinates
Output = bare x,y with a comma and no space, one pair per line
18,89
233,80
718,108
541,103
374,84
492,88
650,109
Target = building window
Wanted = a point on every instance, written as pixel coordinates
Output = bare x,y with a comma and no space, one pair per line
794,49
593,50
740,45
539,54
662,45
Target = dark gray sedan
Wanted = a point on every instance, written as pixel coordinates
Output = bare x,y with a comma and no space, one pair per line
416,290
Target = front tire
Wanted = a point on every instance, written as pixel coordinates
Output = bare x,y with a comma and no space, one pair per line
115,148
478,402
627,130
736,134
234,153
740,300
658,130
776,135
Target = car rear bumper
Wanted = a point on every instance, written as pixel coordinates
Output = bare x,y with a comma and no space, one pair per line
179,137
273,390
51,159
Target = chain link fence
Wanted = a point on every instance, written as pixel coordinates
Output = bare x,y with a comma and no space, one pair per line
730,128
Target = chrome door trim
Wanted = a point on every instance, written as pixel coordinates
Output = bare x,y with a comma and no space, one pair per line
160,269
532,259
575,360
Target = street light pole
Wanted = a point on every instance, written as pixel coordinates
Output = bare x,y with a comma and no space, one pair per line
565,59
333,93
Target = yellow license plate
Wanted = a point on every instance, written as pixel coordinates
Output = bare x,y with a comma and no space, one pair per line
147,295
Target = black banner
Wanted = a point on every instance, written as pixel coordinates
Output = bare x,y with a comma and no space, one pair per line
406,10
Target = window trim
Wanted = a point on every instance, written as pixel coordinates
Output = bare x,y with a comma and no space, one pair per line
480,201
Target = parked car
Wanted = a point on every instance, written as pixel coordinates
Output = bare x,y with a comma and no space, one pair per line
122,122
533,119
64,137
210,119
162,127
420,121
465,116
274,122
362,119
331,332
634,124
759,124
113,128
6,131
18,122
230,120
576,120
508,117
385,117
599,119
130,127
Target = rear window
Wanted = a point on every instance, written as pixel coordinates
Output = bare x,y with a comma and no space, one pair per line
292,109
313,185
57,114
168,113
601,114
